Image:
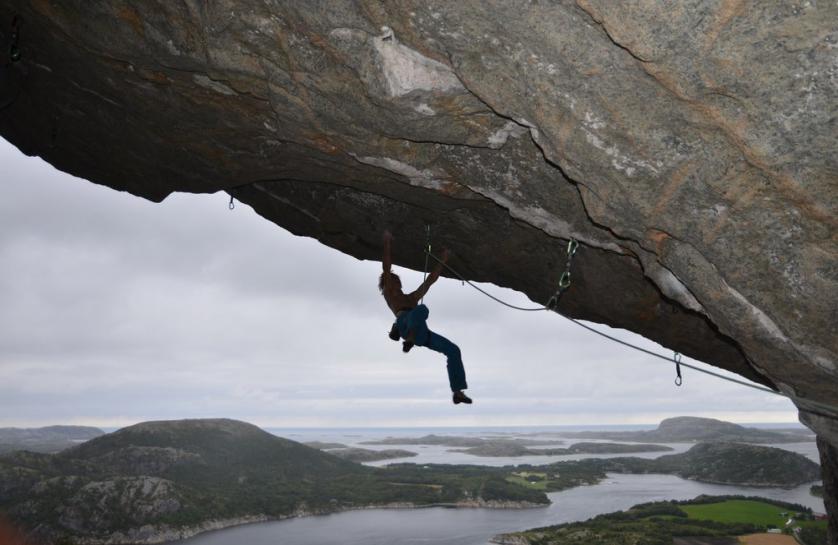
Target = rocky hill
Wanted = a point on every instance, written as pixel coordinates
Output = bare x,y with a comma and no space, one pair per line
683,429
46,439
159,481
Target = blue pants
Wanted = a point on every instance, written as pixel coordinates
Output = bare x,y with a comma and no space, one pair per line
415,321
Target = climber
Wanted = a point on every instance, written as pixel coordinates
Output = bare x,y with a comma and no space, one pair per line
411,320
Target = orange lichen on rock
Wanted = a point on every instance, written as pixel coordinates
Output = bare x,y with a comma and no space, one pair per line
130,16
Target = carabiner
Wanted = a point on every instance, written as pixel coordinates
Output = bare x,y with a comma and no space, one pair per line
564,281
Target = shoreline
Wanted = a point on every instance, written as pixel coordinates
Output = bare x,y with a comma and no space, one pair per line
163,534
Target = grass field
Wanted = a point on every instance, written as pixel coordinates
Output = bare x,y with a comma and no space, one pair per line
521,478
739,511
755,512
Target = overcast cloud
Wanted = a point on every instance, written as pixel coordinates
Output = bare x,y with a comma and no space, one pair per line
116,310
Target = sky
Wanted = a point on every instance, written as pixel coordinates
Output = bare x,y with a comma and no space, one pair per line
115,310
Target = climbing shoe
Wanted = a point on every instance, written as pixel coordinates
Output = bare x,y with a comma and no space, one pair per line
394,332
406,346
460,397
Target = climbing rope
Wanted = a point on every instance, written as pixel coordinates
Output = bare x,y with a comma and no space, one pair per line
564,280
427,253
676,359
478,288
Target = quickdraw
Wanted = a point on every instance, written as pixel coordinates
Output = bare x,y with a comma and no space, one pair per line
677,359
564,279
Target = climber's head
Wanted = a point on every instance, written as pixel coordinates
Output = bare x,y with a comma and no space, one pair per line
395,282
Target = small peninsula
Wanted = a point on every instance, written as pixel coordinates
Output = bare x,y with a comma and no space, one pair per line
727,463
718,520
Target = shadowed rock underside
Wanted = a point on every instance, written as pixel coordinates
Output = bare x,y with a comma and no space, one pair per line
690,148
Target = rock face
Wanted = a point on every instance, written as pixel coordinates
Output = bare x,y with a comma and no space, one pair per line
690,148
829,463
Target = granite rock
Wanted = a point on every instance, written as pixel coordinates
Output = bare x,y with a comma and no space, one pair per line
689,147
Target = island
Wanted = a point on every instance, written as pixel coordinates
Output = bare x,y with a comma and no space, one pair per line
455,441
320,445
360,454
504,448
369,455
689,429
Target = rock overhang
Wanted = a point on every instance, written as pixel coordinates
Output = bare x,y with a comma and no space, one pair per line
690,149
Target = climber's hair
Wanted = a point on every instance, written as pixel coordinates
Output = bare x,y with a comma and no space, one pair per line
381,281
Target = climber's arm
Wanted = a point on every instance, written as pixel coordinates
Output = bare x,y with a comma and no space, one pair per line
420,292
387,260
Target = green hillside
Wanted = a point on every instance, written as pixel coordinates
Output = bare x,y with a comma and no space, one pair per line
659,523
727,463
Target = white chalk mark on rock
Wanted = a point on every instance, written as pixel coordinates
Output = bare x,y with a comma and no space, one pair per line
767,323
422,178
406,70
619,160
498,138
424,109
674,288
